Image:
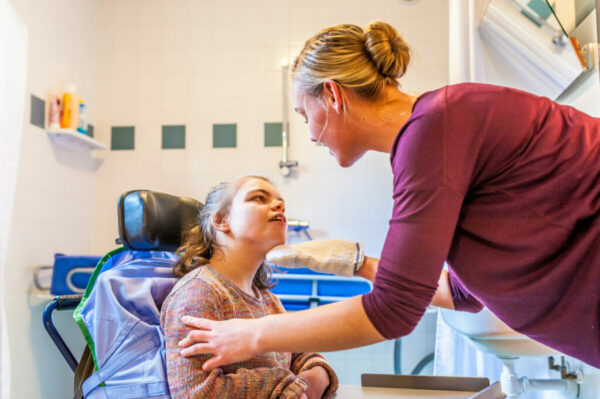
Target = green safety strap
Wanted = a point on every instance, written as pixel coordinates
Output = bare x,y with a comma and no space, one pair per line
77,313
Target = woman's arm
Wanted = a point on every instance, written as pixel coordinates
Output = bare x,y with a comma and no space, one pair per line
336,326
331,327
369,268
442,297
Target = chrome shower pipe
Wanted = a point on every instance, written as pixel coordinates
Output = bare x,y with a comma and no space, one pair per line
285,164
598,21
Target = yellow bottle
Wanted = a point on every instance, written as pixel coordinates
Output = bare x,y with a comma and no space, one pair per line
70,111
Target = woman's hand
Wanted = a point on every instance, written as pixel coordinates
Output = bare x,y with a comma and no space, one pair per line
318,381
339,257
310,330
230,341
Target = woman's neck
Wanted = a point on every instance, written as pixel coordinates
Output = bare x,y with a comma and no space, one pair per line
239,264
383,119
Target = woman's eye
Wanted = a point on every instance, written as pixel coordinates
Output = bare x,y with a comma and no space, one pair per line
260,198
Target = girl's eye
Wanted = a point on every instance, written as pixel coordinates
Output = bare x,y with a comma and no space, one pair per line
260,198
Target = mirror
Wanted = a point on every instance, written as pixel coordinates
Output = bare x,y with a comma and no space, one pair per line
525,46
571,13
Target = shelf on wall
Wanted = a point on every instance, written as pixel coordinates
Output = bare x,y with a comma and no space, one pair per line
74,139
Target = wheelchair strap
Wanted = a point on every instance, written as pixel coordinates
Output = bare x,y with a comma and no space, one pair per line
134,391
122,359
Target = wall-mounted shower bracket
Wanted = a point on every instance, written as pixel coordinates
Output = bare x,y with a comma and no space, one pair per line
285,165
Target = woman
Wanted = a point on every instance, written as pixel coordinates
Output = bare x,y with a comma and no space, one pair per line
223,276
502,185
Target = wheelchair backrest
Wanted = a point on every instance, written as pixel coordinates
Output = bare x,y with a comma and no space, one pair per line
119,314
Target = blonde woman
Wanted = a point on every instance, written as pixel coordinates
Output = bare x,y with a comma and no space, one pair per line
222,277
502,185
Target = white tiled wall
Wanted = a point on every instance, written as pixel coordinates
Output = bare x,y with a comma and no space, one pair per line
54,193
200,62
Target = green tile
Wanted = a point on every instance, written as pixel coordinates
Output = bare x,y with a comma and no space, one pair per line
273,134
122,138
173,136
38,110
225,135
90,130
541,7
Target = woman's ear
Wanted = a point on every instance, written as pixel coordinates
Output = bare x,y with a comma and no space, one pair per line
332,92
221,223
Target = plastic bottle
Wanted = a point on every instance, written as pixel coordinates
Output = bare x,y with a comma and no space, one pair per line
55,113
82,126
70,116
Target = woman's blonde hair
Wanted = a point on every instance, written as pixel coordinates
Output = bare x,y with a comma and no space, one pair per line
363,60
199,242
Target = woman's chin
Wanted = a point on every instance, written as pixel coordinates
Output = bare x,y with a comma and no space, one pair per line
346,163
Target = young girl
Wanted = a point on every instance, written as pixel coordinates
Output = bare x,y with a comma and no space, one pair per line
223,277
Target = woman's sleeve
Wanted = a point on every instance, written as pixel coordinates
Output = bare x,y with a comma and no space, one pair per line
306,361
461,297
429,190
417,243
185,375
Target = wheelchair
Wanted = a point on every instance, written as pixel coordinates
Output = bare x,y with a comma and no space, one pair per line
151,227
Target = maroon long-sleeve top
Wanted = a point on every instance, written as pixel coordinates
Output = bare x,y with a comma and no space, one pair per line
505,187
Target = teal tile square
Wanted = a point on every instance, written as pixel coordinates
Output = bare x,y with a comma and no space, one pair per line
225,135
173,136
541,7
122,138
273,133
90,130
38,110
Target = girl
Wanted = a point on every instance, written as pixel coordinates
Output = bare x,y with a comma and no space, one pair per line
222,277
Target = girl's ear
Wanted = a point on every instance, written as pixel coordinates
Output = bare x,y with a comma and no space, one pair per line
221,223
332,93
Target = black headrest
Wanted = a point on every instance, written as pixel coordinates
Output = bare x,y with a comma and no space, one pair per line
149,220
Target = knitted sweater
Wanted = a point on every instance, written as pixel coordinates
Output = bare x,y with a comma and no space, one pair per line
205,293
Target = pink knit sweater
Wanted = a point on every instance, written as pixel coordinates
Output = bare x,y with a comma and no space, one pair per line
205,293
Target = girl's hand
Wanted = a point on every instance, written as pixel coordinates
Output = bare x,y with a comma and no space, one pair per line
230,341
318,381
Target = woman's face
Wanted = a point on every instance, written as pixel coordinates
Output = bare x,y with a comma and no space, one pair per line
327,126
257,214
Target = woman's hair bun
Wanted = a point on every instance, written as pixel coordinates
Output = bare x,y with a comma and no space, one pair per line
386,48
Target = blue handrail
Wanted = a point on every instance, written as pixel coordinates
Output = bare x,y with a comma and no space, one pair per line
63,302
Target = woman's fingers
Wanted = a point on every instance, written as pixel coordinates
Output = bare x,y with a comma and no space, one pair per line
213,363
230,341
197,322
197,349
195,336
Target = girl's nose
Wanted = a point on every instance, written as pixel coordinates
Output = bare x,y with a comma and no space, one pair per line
279,205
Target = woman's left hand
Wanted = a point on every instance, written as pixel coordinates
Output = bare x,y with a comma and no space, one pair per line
230,341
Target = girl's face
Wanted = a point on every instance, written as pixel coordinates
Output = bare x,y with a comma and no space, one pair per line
257,215
328,127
